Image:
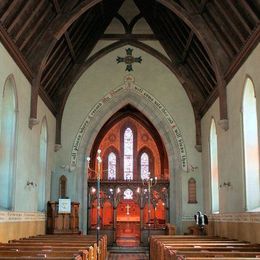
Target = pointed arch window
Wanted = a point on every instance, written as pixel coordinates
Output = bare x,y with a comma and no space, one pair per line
144,167
8,142
192,196
111,166
128,154
251,147
214,168
63,187
43,165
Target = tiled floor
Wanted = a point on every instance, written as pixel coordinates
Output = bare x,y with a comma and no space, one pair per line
128,256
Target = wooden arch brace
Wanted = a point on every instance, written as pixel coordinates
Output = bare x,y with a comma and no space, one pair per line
45,45
217,55
79,69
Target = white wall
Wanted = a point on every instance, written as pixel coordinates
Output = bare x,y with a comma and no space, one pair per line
104,76
230,146
27,150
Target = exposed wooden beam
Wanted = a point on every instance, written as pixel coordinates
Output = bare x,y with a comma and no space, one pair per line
58,73
55,51
50,69
72,52
187,47
249,46
28,20
218,34
8,11
223,12
122,20
66,34
18,16
87,35
46,99
197,64
135,36
208,103
33,30
134,21
221,26
205,65
16,54
202,6
250,11
239,16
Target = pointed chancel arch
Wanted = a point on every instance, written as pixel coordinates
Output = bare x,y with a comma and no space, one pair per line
88,144
8,142
43,165
214,168
251,146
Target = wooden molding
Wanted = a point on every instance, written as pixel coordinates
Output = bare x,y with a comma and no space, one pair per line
128,36
48,102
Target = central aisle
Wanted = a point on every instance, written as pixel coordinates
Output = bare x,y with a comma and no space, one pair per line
128,256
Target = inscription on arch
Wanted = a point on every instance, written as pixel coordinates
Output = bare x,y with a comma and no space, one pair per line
128,85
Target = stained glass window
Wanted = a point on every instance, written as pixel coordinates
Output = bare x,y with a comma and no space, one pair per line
144,166
111,166
214,167
251,149
128,194
128,154
192,198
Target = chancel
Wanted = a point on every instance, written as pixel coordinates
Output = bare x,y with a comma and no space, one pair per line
120,119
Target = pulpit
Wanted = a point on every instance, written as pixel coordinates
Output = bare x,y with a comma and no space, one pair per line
62,223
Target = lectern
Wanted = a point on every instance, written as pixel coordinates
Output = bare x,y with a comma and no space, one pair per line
60,220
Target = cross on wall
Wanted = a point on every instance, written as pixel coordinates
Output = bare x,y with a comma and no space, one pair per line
129,59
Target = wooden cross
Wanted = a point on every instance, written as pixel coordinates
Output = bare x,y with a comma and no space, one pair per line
127,209
129,59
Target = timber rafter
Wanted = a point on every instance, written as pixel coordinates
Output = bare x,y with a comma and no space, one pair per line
206,41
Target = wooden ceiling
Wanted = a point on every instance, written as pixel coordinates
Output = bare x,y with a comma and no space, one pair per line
206,42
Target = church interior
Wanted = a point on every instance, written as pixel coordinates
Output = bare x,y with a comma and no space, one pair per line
122,119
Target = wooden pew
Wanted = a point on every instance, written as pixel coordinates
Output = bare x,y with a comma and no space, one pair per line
55,247
181,247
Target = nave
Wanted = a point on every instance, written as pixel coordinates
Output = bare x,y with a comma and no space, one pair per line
161,247
128,256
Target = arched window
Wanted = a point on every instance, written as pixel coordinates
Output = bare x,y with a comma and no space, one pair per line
251,149
192,197
144,167
214,167
63,187
111,166
128,154
8,142
43,165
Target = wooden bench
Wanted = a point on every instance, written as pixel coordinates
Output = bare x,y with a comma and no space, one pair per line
55,247
196,247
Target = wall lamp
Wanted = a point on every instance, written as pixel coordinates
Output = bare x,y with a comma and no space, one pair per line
226,185
31,184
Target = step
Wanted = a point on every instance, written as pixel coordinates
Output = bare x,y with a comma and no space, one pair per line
120,249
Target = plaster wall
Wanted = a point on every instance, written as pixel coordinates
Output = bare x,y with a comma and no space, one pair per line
104,76
230,146
26,166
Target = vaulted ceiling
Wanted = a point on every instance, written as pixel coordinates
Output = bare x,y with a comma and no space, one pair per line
206,42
